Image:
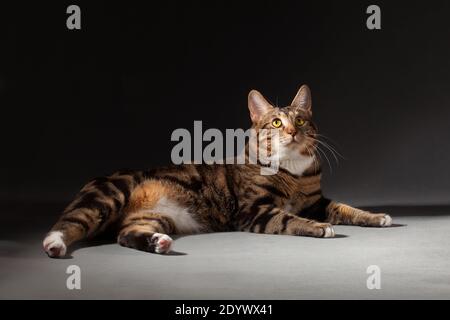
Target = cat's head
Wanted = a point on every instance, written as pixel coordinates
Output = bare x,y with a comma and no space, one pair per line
293,124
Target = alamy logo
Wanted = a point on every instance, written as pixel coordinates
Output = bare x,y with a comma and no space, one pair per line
374,280
74,20
374,20
261,145
74,279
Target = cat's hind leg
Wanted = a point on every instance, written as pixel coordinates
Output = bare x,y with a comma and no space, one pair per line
147,231
97,205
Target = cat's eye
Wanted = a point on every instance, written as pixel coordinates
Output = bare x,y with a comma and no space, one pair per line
300,122
276,123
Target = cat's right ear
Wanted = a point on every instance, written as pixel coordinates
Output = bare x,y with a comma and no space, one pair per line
302,99
257,105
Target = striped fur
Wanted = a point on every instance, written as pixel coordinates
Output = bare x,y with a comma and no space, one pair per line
146,206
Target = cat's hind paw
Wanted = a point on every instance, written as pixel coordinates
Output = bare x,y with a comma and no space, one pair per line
54,245
149,242
162,242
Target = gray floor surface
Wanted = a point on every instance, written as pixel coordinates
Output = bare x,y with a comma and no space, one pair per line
413,256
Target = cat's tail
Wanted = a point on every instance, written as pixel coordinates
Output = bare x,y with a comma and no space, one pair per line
98,204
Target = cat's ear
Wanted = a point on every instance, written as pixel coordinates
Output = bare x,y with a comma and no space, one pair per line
303,98
257,105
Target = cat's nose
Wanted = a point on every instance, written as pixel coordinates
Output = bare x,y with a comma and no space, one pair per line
291,130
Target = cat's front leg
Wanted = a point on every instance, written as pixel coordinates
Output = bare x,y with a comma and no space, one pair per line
339,213
273,220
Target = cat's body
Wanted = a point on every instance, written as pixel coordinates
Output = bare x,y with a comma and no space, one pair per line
146,206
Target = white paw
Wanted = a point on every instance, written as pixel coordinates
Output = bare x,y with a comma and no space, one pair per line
329,232
163,243
386,221
54,245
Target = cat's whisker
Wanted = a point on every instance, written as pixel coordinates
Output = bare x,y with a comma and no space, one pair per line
325,137
333,148
325,155
331,144
315,160
313,156
333,152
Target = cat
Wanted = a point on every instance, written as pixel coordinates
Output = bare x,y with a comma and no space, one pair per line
145,207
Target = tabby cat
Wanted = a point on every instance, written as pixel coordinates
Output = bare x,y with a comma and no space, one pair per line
146,206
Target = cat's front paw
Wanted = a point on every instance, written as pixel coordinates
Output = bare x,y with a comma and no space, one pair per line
328,230
54,245
378,220
385,220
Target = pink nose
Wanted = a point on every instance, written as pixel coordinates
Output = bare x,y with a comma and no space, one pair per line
291,131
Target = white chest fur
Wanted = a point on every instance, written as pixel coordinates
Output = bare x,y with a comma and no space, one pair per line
294,162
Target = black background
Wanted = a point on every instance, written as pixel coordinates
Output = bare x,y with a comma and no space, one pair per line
79,104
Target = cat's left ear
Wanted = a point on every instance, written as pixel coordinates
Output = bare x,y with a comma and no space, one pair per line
302,99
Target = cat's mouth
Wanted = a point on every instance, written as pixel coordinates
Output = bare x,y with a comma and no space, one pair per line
294,140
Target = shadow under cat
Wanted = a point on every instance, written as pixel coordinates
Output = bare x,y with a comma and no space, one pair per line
25,221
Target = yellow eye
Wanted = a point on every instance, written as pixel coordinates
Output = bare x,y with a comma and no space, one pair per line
299,122
276,123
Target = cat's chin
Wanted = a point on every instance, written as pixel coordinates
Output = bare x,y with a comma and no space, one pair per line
295,146
295,141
